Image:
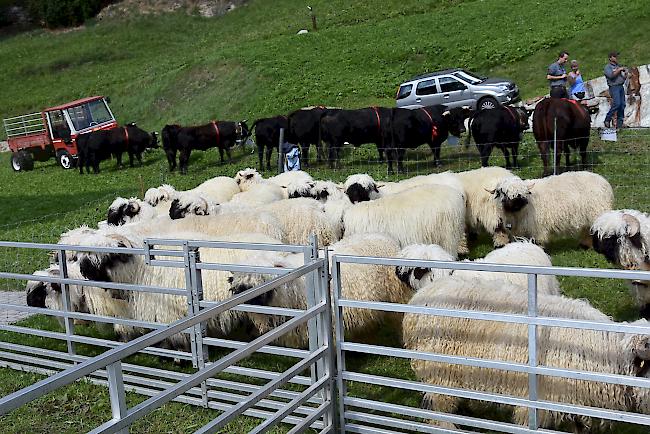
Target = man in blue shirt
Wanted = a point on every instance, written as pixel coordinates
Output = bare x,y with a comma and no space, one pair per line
556,76
615,75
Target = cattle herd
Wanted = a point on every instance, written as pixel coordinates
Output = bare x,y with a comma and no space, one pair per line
425,217
392,130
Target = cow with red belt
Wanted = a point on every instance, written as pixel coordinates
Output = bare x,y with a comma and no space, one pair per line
215,134
102,144
431,125
572,124
501,127
356,127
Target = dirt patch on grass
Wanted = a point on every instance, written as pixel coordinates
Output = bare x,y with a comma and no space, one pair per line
204,8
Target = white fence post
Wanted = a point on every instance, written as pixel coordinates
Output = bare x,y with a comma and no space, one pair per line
340,339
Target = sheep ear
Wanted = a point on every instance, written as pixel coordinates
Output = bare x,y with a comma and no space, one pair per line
633,225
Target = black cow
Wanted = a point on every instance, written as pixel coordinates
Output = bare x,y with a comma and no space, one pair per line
267,135
304,130
220,134
431,125
366,125
572,121
101,144
501,127
169,134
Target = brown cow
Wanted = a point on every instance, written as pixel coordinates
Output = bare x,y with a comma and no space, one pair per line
572,121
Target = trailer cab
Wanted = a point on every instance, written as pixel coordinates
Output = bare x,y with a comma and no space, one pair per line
54,131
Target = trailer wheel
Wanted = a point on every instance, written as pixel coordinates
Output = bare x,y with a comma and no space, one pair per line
22,160
65,159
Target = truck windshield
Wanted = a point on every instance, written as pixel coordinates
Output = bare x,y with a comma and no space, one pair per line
89,114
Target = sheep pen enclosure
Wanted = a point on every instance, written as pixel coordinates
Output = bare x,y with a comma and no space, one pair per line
39,206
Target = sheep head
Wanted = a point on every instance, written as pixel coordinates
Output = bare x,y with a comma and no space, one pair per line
617,235
326,190
361,187
242,282
123,210
156,195
300,189
247,178
513,193
417,277
101,266
186,204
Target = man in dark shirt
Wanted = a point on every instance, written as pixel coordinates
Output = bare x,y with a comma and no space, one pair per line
556,76
615,75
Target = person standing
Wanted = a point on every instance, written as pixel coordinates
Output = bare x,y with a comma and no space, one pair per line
556,76
615,75
577,89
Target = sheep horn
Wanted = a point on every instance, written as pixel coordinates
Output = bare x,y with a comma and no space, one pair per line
446,113
490,191
633,225
531,185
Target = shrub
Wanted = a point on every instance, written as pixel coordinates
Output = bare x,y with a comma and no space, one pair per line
63,13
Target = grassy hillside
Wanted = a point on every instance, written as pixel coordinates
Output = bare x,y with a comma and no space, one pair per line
249,64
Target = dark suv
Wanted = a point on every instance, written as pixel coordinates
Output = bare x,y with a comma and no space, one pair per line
456,88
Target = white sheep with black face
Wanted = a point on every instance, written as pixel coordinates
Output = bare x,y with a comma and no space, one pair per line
553,207
157,307
361,187
325,191
292,184
198,200
521,252
358,282
132,210
572,349
623,237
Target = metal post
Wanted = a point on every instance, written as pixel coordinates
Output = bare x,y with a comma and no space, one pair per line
532,349
340,338
280,156
189,286
554,146
201,328
65,297
116,393
310,289
327,333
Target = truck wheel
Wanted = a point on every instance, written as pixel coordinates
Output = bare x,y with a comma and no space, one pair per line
22,160
487,103
65,159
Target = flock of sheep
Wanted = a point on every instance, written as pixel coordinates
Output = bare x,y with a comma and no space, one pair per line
425,217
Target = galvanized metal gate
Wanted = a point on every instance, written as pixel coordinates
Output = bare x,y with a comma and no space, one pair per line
310,407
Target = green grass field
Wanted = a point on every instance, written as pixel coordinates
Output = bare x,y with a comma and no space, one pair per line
249,64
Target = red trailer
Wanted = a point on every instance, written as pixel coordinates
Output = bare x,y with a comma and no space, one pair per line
53,132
